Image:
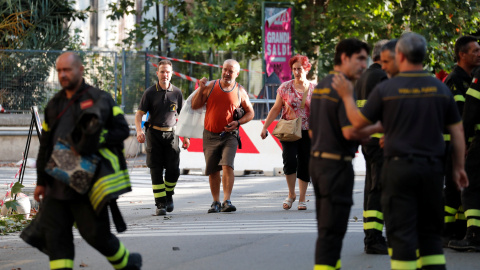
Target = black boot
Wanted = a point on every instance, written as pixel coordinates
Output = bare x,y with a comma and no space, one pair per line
134,262
169,204
375,243
161,206
471,242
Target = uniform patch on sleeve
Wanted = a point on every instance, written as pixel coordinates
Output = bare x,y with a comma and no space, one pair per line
475,80
86,104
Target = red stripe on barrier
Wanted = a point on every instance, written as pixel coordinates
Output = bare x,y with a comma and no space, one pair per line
196,145
270,130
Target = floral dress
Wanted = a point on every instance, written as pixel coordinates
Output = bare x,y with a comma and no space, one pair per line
293,98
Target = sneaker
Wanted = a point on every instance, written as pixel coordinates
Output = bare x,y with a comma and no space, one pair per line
215,207
134,262
227,206
169,206
471,242
160,211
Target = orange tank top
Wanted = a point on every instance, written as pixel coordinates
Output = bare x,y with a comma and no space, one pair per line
220,107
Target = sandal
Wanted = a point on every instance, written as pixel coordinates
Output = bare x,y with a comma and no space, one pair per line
302,206
287,204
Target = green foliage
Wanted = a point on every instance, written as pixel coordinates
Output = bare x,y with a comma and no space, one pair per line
12,224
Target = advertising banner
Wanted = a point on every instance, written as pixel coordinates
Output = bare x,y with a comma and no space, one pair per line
278,41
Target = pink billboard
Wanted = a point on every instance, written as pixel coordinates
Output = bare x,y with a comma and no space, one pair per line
278,40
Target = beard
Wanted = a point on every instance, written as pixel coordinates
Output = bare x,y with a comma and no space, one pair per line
69,84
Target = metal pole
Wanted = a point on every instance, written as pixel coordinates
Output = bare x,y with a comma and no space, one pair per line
147,70
124,78
116,75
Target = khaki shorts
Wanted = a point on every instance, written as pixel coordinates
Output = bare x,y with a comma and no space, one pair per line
218,151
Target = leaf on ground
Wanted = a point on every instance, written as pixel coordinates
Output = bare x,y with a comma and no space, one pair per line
83,264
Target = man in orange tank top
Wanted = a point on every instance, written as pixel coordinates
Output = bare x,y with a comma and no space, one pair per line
220,135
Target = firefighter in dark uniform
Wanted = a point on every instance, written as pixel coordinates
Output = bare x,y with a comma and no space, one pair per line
471,194
164,102
334,143
467,54
414,108
61,206
372,211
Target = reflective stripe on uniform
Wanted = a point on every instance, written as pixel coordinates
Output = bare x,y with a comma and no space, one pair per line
473,222
107,185
474,93
459,98
450,210
161,186
328,267
111,157
403,265
45,126
361,103
170,186
446,137
432,260
61,263
477,127
373,225
119,254
450,219
377,135
472,212
117,110
122,254
373,214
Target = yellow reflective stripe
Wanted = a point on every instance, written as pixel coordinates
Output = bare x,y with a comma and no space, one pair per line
111,157
460,208
403,265
117,110
373,214
450,210
108,184
62,263
45,126
323,267
161,186
472,212
390,252
373,226
446,137
432,260
119,254
361,103
170,186
460,216
123,263
477,127
450,219
459,98
474,93
160,194
471,222
377,135
339,264
102,135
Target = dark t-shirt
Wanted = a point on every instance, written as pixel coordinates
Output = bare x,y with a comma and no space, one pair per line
414,108
327,118
458,81
367,82
163,105
471,112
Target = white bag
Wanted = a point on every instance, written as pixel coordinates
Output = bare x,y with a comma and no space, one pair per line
191,122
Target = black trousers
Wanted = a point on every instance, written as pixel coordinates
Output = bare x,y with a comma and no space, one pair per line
57,219
412,201
455,222
163,154
296,157
471,194
333,184
372,209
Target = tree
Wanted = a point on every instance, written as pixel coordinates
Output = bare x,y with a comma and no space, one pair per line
31,25
319,25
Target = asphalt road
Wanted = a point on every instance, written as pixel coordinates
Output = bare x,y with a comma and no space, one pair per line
259,235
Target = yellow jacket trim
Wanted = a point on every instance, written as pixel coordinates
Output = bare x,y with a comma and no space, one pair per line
459,98
446,137
111,157
361,103
62,263
474,93
377,135
117,110
108,184
45,126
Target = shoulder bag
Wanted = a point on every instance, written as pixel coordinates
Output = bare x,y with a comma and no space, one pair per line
290,130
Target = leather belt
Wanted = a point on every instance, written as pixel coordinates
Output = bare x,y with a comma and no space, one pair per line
331,156
163,128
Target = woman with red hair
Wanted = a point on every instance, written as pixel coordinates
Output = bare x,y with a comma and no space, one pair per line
295,154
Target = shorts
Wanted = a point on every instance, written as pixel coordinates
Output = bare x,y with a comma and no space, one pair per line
219,151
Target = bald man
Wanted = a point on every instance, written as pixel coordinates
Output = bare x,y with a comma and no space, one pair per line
221,134
92,124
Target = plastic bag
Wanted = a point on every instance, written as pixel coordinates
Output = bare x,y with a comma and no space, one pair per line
191,122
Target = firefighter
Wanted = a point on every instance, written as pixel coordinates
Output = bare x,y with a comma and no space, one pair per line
467,54
414,108
334,143
471,194
61,206
372,211
164,102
